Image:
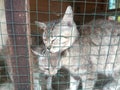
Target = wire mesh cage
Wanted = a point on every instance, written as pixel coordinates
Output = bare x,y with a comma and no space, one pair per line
59,45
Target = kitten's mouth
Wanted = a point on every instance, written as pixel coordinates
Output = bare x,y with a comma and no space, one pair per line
54,51
50,52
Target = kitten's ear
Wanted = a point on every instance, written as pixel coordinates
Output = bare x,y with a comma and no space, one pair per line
68,16
41,25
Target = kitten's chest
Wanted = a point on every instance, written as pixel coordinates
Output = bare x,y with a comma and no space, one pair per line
49,64
74,61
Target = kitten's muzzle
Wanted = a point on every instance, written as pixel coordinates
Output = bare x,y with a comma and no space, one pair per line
48,48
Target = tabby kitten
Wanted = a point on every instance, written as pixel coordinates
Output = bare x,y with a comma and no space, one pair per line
47,63
96,51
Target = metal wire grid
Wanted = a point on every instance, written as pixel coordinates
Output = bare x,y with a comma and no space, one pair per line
105,14
56,79
4,76
15,50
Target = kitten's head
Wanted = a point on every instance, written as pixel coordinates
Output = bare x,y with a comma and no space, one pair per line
61,35
47,62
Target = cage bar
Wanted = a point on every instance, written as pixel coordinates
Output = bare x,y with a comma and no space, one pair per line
18,28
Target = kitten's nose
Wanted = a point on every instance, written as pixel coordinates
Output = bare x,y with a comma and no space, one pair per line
48,48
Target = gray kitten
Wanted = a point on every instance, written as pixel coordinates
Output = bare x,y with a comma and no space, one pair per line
95,51
47,63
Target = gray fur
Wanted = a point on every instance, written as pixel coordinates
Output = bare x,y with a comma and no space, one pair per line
96,51
47,64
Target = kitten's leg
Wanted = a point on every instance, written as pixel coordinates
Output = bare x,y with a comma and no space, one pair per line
36,78
88,81
49,83
73,83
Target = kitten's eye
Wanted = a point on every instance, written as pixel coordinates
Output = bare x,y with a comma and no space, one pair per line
46,68
53,39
